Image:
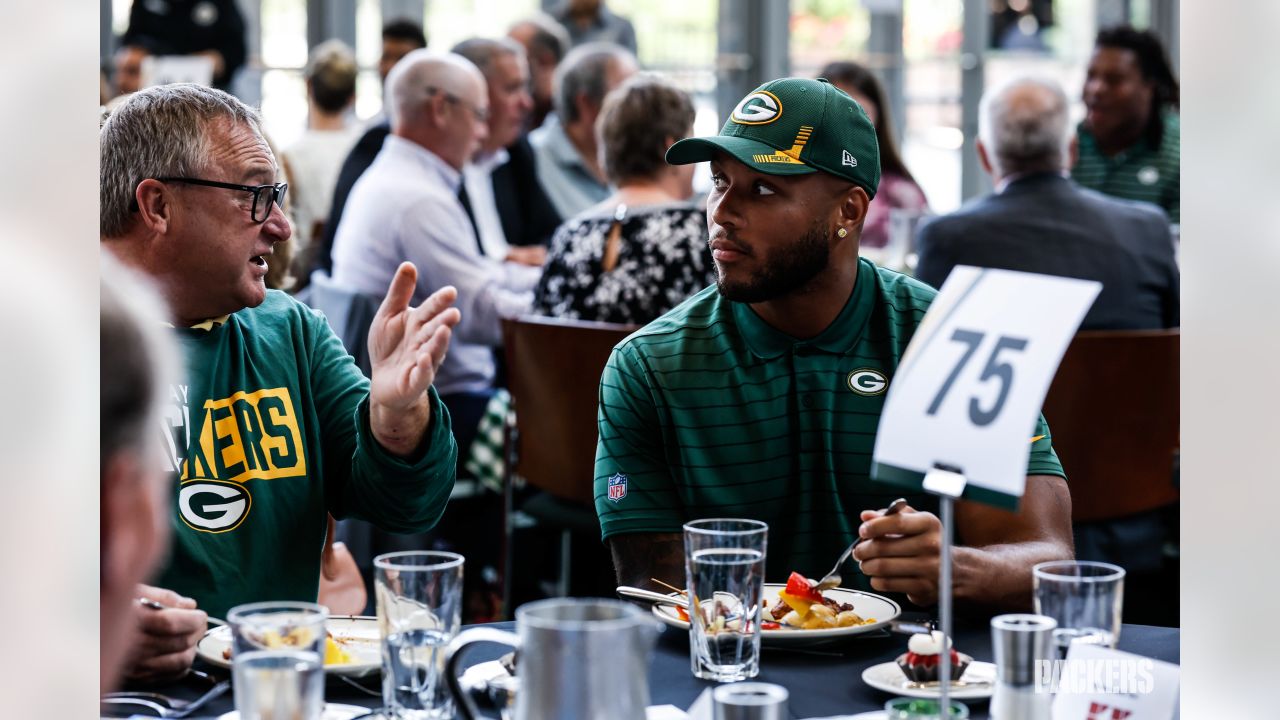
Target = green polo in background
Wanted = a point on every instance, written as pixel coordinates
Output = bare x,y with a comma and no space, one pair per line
760,397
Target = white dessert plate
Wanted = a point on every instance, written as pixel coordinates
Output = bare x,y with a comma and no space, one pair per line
868,605
978,682
357,634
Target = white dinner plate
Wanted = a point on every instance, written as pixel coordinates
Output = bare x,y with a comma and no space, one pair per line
889,678
868,605
357,634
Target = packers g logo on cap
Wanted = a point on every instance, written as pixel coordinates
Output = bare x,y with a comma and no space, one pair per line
759,108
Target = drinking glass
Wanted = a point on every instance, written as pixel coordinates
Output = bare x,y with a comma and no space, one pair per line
419,611
724,569
277,661
1085,598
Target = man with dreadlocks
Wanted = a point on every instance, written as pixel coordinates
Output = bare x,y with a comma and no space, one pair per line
1129,140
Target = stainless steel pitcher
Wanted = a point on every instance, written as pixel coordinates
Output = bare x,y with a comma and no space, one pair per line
579,659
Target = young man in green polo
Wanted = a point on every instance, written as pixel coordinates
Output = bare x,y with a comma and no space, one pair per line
760,397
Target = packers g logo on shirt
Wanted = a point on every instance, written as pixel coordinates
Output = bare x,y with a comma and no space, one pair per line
759,108
213,506
866,381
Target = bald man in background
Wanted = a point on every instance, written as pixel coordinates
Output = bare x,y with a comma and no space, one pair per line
406,207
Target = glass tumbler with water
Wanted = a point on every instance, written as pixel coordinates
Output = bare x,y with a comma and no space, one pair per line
724,569
277,660
1084,597
419,595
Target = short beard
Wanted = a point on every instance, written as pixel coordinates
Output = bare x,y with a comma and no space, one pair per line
785,270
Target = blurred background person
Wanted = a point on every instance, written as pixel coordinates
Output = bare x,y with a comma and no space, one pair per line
644,249
565,146
511,214
898,189
208,28
589,21
545,42
138,363
313,161
399,38
1129,141
126,64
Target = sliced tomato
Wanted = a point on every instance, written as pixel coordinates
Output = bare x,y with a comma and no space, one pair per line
681,612
770,625
798,586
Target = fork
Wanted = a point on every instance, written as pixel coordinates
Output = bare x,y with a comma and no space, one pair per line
162,705
833,579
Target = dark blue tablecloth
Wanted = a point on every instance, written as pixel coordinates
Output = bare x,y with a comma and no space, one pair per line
821,685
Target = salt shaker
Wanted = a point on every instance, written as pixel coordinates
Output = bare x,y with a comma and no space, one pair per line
749,701
1019,642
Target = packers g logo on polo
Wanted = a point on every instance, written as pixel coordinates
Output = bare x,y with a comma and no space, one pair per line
213,506
866,381
759,108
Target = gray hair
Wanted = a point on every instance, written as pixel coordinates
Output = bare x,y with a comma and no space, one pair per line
411,82
483,51
548,35
159,131
584,72
1024,126
138,360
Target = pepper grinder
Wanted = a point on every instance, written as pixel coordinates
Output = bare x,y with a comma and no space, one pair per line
1019,641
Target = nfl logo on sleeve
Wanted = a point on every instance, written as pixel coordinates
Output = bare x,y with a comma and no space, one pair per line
617,487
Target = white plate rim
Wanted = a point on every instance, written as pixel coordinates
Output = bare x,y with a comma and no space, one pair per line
213,655
869,676
667,614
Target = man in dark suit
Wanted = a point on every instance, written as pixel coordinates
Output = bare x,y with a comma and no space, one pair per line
1039,221
513,217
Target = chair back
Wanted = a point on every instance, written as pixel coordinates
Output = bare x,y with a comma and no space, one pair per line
350,313
553,373
1113,412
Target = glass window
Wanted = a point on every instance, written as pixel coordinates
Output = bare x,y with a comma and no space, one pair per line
826,30
368,50
449,23
283,57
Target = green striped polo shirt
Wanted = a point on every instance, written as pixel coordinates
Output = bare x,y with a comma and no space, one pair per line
1142,172
710,412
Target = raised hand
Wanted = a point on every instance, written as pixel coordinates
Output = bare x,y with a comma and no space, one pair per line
406,347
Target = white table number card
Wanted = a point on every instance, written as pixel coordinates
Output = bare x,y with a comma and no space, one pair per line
169,69
968,392
1098,683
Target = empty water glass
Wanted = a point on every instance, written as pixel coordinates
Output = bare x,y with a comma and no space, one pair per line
1084,597
419,595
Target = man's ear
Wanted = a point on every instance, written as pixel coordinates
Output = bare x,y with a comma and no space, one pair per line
854,208
1073,152
155,205
586,109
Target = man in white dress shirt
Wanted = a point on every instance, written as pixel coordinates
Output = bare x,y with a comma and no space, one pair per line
406,207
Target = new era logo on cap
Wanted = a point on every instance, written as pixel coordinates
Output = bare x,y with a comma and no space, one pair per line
794,126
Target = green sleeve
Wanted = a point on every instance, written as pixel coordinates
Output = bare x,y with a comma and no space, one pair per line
631,451
362,480
1043,460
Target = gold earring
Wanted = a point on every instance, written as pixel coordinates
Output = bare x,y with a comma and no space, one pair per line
842,232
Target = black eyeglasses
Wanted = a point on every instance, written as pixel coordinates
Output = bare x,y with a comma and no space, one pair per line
263,195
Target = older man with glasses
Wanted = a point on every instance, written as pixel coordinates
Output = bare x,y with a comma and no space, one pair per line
272,425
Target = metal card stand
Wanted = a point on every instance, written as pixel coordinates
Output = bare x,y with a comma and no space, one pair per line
948,484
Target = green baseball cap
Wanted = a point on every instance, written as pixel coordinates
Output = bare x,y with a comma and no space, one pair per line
794,126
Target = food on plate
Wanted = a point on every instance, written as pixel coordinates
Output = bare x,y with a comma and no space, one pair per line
334,653
920,663
801,606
